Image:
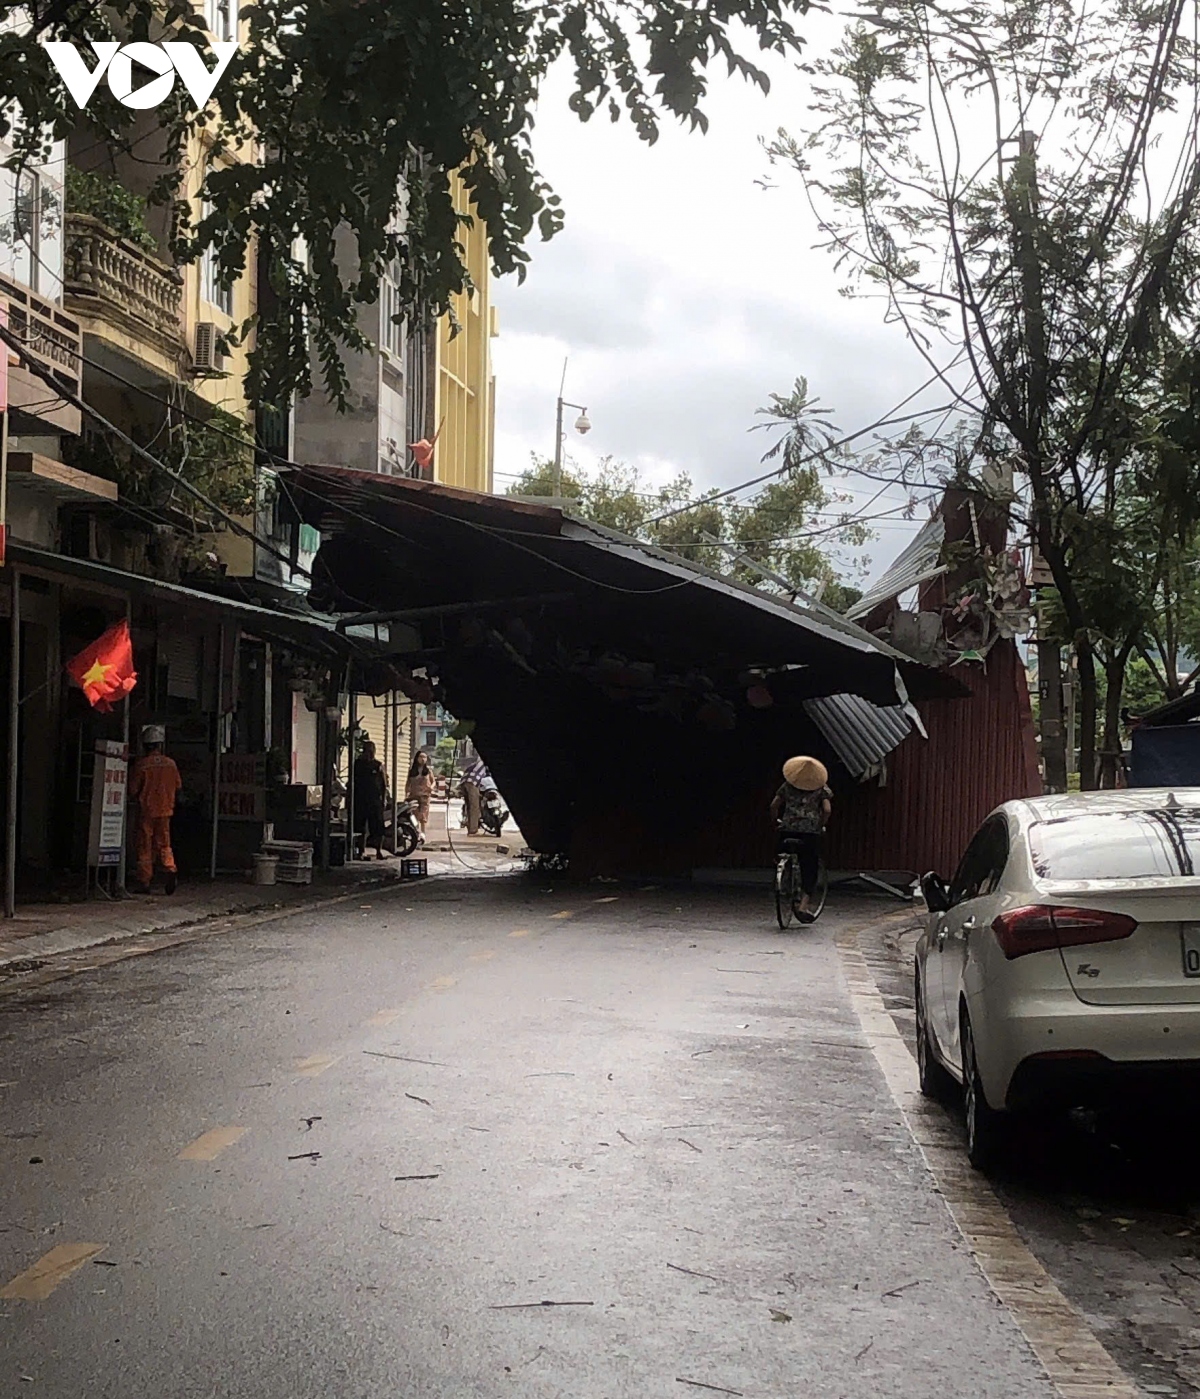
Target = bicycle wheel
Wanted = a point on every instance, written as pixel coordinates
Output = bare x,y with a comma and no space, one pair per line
785,889
817,902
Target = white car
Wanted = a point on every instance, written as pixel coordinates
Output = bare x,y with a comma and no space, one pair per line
1062,962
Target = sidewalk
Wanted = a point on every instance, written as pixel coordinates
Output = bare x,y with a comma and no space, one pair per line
40,931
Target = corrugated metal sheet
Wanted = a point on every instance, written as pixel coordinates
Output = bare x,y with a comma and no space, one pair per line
915,564
861,733
981,752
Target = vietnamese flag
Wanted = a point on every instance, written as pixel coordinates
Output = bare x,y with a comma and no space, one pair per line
104,670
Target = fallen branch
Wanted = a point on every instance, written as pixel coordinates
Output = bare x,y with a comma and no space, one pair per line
864,1350
404,1059
685,1141
521,1306
904,1286
306,1156
415,1099
699,1384
436,1175
691,1272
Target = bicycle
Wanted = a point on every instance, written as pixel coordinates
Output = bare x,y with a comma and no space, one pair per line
788,892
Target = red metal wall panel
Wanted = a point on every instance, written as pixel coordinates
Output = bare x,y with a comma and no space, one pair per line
980,752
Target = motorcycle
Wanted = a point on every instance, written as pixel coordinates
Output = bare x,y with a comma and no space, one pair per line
492,814
403,840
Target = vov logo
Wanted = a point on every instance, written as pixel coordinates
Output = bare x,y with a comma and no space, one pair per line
117,61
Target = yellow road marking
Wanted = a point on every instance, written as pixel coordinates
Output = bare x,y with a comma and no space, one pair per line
211,1144
37,1282
482,956
443,983
565,913
519,933
383,1017
315,1064
1077,1363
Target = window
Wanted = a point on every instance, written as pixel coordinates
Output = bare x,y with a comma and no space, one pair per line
222,18
1162,844
431,738
212,289
391,330
982,866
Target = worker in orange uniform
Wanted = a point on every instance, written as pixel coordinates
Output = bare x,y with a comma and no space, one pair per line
156,782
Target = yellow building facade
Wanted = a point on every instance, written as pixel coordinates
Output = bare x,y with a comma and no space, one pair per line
464,386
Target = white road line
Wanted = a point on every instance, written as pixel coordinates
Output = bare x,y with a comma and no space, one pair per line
1078,1365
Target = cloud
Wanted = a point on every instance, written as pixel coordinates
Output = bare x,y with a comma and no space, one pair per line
684,295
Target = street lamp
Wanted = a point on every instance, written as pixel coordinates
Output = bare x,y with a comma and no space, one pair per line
582,424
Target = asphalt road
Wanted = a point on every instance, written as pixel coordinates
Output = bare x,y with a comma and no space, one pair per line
352,1152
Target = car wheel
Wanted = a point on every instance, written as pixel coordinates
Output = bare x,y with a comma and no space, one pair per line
936,1082
987,1129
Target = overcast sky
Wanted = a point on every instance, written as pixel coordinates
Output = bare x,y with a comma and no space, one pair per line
685,294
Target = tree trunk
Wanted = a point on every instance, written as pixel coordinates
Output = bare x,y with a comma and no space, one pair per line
1050,715
1087,713
1114,674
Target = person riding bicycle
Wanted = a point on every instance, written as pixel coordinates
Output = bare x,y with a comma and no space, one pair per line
801,810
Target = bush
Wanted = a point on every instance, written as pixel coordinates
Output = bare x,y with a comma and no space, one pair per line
106,199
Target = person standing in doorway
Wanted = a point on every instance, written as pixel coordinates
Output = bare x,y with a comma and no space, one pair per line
370,797
155,785
419,789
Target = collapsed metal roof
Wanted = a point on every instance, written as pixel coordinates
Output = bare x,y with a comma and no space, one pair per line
584,656
862,733
917,563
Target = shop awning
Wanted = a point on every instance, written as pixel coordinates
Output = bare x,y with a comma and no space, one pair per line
314,632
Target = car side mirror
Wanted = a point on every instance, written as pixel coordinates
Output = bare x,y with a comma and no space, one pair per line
935,892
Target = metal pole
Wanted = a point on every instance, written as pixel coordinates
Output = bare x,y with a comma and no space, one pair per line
123,865
14,713
328,765
219,725
556,481
395,733
353,720
3,462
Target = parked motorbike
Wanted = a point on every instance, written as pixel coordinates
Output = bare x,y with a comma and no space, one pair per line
403,840
492,814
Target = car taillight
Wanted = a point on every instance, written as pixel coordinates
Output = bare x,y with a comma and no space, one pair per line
1041,927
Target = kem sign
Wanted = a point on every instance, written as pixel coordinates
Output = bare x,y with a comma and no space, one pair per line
117,61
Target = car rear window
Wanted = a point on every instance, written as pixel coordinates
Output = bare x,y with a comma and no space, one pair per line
1118,845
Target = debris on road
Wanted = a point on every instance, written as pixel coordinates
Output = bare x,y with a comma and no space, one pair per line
521,1306
404,1058
103,1263
624,1138
695,1148
306,1156
691,1272
434,1176
700,1384
904,1287
777,1315
417,1099
308,1122
864,1350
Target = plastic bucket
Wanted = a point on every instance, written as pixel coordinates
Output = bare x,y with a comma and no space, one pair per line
265,867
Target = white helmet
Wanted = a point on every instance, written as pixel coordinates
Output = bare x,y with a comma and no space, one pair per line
154,733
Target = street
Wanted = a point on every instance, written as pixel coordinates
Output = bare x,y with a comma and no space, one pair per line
361,1150
612,1097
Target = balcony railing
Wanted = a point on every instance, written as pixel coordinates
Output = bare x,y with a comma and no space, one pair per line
52,338
112,279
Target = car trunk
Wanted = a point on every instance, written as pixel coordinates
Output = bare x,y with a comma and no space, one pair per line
1157,964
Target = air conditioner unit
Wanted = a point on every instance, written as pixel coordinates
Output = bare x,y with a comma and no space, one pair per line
207,355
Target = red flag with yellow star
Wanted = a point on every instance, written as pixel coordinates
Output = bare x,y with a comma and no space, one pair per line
104,670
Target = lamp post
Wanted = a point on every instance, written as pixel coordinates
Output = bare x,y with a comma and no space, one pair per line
582,425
